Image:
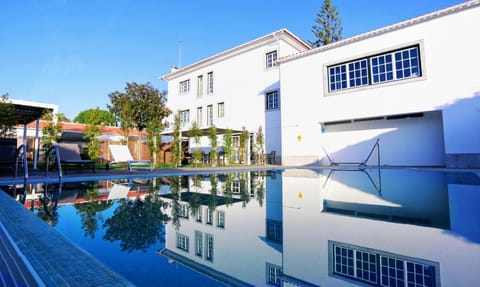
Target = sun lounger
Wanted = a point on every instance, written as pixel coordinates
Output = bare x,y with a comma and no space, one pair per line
69,154
121,154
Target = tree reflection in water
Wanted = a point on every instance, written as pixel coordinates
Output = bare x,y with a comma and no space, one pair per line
137,223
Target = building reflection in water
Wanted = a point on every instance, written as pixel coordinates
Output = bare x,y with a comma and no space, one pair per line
329,227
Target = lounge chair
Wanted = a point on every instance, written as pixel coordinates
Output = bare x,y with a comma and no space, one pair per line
69,154
121,154
10,154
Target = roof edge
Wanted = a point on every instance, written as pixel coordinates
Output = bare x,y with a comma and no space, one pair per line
397,26
237,49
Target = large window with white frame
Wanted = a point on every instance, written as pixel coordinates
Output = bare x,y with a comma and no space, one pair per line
198,243
221,110
209,220
221,219
271,59
209,247
272,101
200,86
210,115
210,83
184,87
184,116
390,66
274,230
380,268
199,116
272,274
182,242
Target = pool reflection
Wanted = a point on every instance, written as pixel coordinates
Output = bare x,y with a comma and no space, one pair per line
300,226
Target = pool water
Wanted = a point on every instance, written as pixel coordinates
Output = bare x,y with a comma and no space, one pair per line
327,227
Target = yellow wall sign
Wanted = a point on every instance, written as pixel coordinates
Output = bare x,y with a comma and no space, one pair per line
299,138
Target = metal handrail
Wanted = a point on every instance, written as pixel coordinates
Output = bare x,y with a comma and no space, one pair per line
57,157
22,153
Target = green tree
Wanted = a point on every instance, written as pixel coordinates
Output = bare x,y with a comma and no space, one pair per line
93,146
176,146
95,117
260,140
51,134
140,106
243,145
212,135
8,117
228,141
196,133
329,25
48,116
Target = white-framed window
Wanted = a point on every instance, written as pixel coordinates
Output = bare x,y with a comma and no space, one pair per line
236,186
200,86
236,141
272,101
381,268
209,247
198,243
198,214
199,116
184,210
210,115
184,87
182,242
271,59
184,116
221,219
273,273
391,66
210,83
221,110
209,220
274,230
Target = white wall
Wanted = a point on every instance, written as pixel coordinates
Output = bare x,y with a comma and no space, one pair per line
449,52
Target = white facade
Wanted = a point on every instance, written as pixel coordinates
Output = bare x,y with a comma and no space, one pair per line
229,90
428,116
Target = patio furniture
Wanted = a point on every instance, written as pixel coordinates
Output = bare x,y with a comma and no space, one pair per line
10,155
69,154
206,158
121,154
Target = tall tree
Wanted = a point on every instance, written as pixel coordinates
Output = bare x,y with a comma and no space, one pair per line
329,28
8,117
140,106
48,116
95,117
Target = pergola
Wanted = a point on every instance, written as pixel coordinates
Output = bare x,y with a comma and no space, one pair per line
27,112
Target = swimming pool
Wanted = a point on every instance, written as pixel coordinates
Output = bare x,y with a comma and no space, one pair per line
327,227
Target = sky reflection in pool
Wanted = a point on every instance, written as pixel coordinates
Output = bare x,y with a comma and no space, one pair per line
317,226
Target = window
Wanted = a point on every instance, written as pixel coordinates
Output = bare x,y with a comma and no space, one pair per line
273,273
200,86
182,242
381,268
184,87
221,110
274,230
198,243
236,141
210,83
209,216
386,67
209,115
221,219
199,116
184,211
271,59
272,102
198,214
184,116
209,247
236,186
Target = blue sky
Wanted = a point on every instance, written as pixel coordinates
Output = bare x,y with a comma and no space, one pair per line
75,52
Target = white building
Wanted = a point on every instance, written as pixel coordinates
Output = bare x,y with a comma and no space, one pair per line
235,89
414,85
